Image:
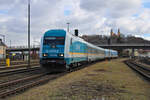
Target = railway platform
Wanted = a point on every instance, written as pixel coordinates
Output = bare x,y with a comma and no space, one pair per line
3,63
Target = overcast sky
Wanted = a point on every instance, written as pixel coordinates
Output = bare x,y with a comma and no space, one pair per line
89,16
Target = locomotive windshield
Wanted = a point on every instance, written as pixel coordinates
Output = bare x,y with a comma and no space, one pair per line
54,40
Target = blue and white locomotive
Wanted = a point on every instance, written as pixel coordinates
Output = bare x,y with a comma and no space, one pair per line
61,50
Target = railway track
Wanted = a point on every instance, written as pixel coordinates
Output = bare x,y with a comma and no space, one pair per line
143,70
15,86
19,85
145,61
17,66
17,71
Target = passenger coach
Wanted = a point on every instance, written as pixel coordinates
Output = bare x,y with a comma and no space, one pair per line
61,51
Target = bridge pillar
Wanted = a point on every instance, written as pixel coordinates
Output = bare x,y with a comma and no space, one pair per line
37,54
33,54
8,54
120,52
22,52
133,53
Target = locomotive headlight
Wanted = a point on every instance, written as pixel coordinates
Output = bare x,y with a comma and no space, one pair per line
61,54
45,54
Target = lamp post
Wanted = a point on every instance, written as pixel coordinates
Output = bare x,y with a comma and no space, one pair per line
109,43
10,43
4,43
68,26
29,33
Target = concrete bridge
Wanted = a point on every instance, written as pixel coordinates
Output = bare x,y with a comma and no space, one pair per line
124,46
111,46
24,51
22,48
120,47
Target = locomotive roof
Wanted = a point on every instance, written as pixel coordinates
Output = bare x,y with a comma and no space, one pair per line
55,32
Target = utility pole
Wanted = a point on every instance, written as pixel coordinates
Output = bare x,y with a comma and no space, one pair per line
10,43
29,33
68,26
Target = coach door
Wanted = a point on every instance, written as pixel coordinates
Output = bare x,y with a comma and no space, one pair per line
71,45
86,51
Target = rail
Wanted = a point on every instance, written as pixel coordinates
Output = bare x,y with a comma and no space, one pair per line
31,81
17,71
141,69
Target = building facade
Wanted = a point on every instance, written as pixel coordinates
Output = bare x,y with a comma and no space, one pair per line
2,50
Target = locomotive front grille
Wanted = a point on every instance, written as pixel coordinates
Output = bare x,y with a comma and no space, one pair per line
52,61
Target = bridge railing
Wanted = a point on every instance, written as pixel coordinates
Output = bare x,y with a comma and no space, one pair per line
103,45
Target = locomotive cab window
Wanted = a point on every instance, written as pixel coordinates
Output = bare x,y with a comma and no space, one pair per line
54,40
